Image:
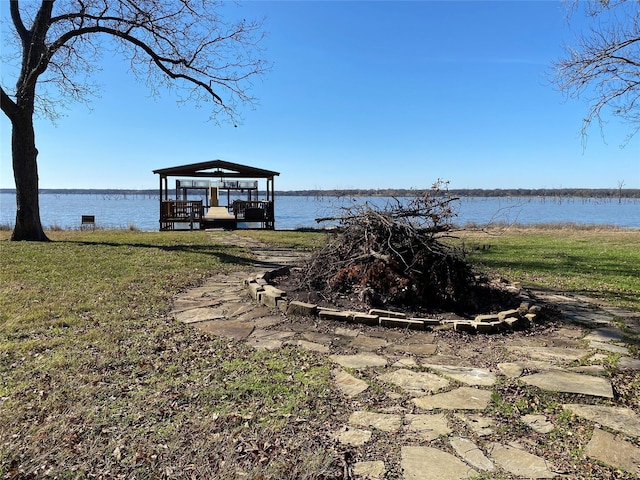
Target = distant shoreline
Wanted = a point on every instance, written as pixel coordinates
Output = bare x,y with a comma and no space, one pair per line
390,192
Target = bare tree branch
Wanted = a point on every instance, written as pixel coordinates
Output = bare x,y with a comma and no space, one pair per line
393,254
158,60
16,18
9,107
604,66
181,45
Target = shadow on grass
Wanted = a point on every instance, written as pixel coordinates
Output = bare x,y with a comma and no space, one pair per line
609,271
219,251
605,279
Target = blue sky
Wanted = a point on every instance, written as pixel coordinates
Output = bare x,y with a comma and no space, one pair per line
361,95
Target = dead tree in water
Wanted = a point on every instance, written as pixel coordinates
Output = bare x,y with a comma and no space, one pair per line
394,255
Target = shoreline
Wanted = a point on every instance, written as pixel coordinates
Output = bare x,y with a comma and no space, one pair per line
492,229
599,193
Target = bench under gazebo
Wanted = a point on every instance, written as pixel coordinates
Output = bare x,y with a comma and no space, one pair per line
213,182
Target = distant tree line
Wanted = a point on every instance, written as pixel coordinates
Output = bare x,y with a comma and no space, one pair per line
384,192
476,192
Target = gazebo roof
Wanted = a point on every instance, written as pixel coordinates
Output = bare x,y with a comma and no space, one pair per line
216,168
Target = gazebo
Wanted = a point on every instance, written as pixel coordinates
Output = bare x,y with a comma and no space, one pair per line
214,179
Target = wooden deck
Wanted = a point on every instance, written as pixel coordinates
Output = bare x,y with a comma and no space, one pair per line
246,212
219,217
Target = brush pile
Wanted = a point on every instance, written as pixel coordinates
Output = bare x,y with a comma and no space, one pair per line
395,255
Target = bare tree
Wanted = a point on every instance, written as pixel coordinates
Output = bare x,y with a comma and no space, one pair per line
181,44
604,65
620,185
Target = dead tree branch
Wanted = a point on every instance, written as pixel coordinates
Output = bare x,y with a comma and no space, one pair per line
394,255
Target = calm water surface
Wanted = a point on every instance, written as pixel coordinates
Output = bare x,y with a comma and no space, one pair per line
141,211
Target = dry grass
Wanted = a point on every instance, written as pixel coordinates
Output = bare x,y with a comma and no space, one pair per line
98,381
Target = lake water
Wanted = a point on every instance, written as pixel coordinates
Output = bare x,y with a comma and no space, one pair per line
142,211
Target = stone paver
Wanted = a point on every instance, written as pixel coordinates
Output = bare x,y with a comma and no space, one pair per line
570,382
538,423
415,349
361,360
346,332
516,369
621,419
427,463
260,314
618,453
589,370
606,334
480,425
629,363
386,422
368,344
353,436
427,426
415,383
183,304
227,328
519,462
224,307
321,338
268,339
609,347
588,318
463,398
310,346
551,353
470,376
406,362
471,454
348,384
373,470
199,314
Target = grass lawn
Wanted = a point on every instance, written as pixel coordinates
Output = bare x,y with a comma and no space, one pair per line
96,379
601,263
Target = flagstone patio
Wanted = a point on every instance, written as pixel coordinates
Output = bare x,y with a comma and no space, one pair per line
440,392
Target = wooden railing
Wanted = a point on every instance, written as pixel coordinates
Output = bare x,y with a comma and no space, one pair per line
191,212
180,211
259,211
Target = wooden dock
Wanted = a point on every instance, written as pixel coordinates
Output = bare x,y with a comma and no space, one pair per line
219,217
189,215
210,179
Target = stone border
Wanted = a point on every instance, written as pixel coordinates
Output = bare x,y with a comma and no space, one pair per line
508,320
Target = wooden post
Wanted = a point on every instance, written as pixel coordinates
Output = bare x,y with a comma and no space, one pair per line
271,195
160,209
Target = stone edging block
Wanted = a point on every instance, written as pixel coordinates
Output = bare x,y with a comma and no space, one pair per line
411,324
335,315
302,309
270,296
387,313
254,289
366,319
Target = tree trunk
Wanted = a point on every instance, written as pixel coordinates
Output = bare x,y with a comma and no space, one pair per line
25,172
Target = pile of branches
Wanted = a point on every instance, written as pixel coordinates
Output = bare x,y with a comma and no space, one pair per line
394,255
